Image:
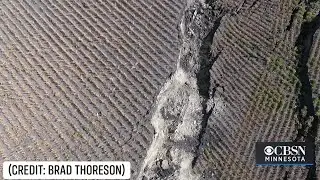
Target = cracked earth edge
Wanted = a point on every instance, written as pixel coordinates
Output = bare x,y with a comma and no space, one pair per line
185,102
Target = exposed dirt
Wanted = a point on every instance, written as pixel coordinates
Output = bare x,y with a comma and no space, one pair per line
249,61
110,80
79,77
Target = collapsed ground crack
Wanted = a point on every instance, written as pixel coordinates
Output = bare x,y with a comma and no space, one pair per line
305,99
203,81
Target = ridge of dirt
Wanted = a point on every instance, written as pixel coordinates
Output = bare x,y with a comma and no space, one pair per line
241,65
184,104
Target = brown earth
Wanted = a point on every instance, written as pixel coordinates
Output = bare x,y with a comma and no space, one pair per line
86,80
257,63
78,77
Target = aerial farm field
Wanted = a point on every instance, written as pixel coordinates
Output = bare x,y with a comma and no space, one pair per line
78,77
181,89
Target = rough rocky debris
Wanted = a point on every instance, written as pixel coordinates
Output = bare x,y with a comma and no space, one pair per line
181,109
242,76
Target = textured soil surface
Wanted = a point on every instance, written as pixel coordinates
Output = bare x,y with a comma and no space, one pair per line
79,77
181,89
247,71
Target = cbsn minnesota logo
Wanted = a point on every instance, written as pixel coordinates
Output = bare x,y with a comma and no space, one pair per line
285,153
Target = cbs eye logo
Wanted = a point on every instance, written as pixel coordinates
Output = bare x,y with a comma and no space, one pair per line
268,150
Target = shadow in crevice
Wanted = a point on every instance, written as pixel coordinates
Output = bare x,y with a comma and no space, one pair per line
206,62
305,99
